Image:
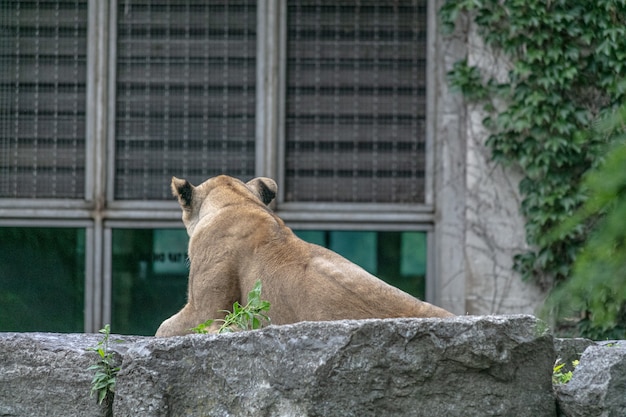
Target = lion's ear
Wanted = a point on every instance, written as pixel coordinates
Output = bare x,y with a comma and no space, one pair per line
264,188
183,190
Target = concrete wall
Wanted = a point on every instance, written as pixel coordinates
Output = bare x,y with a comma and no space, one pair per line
479,227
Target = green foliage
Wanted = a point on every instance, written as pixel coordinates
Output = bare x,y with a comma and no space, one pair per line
598,284
251,316
559,375
103,382
568,66
467,80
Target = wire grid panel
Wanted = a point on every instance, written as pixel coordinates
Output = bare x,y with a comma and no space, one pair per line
42,99
185,101
356,101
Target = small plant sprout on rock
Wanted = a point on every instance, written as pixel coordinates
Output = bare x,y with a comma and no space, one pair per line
103,382
249,317
559,376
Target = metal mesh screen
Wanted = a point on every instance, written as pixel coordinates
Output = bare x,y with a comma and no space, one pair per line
185,93
42,98
356,101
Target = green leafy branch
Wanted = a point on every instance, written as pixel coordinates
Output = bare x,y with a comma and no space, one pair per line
103,382
597,287
249,317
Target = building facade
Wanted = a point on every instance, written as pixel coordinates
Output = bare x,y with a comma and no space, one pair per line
345,104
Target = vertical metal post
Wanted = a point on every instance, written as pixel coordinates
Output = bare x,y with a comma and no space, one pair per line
269,85
88,326
432,290
431,97
111,104
96,131
107,275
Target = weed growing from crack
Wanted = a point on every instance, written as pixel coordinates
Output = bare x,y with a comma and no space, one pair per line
251,316
103,382
558,376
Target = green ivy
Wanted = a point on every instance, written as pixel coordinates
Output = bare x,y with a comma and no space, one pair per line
568,67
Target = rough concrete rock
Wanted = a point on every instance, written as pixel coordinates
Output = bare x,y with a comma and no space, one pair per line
45,374
466,366
598,386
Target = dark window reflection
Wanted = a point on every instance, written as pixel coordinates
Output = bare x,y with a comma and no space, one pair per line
42,279
149,278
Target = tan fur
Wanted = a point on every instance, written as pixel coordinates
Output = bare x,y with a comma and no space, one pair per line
235,239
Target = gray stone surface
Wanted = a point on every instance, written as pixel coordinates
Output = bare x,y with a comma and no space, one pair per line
598,386
466,366
44,374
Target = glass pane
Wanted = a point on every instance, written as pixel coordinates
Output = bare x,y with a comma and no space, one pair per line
186,76
42,279
42,98
356,101
398,258
149,278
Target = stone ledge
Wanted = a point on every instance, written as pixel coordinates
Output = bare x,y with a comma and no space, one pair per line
465,366
45,374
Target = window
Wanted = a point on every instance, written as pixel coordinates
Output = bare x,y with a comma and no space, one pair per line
399,258
149,278
185,94
104,101
42,91
355,105
42,281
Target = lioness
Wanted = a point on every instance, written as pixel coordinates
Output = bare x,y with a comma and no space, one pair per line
235,239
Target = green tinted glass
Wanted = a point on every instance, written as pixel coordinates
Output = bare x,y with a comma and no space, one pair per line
398,258
42,279
149,278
